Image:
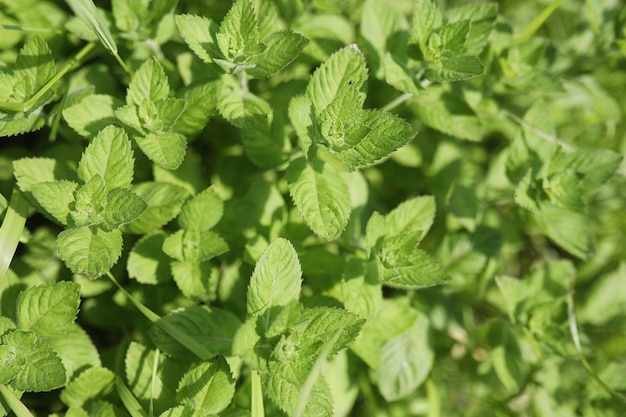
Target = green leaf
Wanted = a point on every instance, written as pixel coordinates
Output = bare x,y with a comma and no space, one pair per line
87,12
213,327
371,137
75,349
456,68
242,108
302,118
405,361
284,384
122,206
147,262
426,18
11,125
398,75
409,268
345,67
275,282
48,310
203,211
482,18
238,35
34,63
200,34
509,364
320,325
200,104
158,388
281,48
29,364
90,200
361,287
165,149
89,251
194,245
148,83
110,157
568,229
194,278
266,146
320,195
57,198
164,202
91,384
91,114
208,386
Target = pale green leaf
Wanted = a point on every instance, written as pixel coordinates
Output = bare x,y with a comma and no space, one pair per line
371,137
405,361
194,245
28,364
213,327
203,211
506,356
266,146
361,288
146,261
182,411
409,268
568,229
320,195
75,349
122,206
158,388
302,118
164,202
208,386
164,149
11,125
200,34
87,12
399,76
89,251
110,157
284,384
239,34
243,109
482,18
281,48
456,68
56,197
35,63
275,282
200,104
193,278
48,310
343,68
148,83
93,383
412,219
92,114
426,18
320,325
89,203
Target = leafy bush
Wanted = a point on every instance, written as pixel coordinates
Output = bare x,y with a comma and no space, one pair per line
312,208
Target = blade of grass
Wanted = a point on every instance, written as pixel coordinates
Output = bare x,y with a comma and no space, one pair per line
14,403
537,22
11,229
257,409
86,11
183,338
129,400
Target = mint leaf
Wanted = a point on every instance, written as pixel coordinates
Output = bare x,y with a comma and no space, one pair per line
91,114
48,310
426,18
110,157
164,202
405,361
238,36
568,229
57,198
275,282
361,288
93,383
34,64
200,34
89,251
344,68
158,388
321,196
242,108
90,200
147,261
281,48
302,118
213,327
29,364
208,386
148,83
75,349
194,245
122,207
459,67
284,384
482,18
409,268
200,104
165,149
203,211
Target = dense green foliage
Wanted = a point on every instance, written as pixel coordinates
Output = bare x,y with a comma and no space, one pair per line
312,208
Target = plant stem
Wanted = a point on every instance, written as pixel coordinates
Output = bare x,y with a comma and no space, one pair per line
396,102
11,229
128,399
14,403
536,23
257,396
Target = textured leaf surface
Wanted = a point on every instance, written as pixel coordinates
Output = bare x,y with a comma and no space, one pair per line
90,384
56,197
122,206
200,34
92,114
48,310
148,83
89,251
147,263
281,48
165,149
410,268
321,196
203,211
208,386
164,202
276,280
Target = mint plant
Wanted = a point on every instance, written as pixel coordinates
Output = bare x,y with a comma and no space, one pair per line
311,208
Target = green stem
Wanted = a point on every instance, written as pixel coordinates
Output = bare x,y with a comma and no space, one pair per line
128,399
30,103
11,229
396,102
257,396
30,29
573,326
14,403
183,338
537,22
